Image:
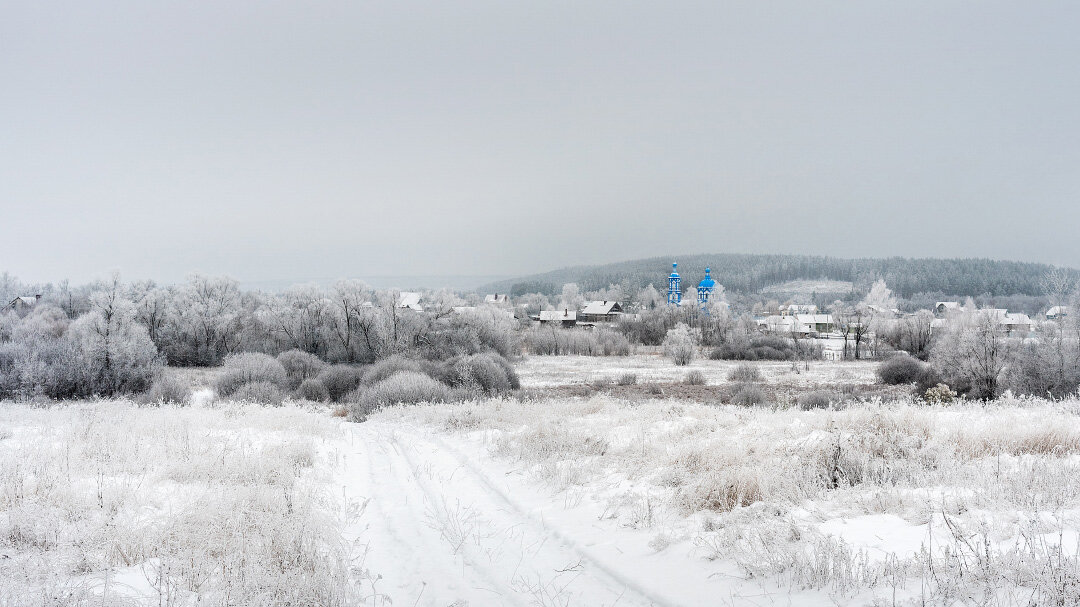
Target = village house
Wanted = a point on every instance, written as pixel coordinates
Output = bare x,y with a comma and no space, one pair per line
566,317
1016,324
498,299
1057,312
783,325
818,323
881,312
410,300
601,311
22,305
942,308
796,309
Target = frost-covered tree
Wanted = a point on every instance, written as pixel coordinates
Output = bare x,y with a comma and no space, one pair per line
972,355
204,322
612,293
650,298
151,307
534,303
1057,285
300,318
350,299
679,345
911,334
853,322
571,298
117,354
1048,366
880,296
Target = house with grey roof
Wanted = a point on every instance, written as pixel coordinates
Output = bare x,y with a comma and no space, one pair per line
22,305
566,317
601,311
1057,312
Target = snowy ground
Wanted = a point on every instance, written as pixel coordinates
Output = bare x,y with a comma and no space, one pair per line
556,502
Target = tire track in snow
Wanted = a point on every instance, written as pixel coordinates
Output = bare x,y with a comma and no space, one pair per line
414,567
567,541
544,556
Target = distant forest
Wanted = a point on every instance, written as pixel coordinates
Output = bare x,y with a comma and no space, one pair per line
748,274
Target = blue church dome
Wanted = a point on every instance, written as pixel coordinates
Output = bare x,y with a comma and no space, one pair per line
707,282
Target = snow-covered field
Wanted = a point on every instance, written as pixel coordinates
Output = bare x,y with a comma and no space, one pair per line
697,505
546,371
107,503
591,501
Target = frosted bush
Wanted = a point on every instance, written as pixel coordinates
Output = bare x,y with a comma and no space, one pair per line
679,345
901,369
396,364
695,378
404,387
487,373
339,380
313,389
761,347
300,366
169,389
818,399
749,395
939,395
249,367
260,392
744,373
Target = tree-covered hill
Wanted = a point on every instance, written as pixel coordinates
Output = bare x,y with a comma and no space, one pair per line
751,273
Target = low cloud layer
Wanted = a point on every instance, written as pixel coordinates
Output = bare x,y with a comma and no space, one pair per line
290,142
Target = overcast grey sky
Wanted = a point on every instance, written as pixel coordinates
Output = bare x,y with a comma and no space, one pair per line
295,140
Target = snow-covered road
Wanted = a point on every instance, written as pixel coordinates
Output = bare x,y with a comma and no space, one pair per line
441,530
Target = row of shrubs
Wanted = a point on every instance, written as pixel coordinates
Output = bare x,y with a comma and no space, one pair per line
903,369
553,341
265,379
761,347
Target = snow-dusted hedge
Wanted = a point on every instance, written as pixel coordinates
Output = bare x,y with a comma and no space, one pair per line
313,389
300,366
551,341
402,388
339,380
250,367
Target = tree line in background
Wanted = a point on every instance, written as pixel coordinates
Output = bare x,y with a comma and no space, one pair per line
914,279
113,337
